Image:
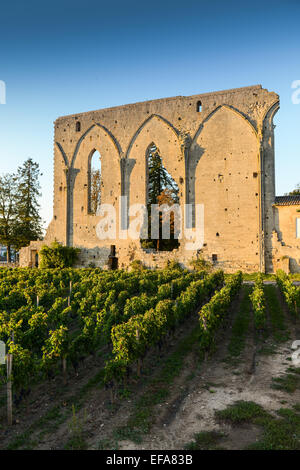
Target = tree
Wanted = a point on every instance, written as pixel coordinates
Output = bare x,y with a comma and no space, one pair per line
296,191
167,198
158,177
29,224
95,196
162,189
8,213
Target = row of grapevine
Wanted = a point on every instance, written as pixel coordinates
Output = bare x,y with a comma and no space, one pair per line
213,313
290,292
258,301
133,339
56,332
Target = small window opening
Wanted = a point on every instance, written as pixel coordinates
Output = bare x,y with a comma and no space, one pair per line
199,106
214,258
78,126
94,182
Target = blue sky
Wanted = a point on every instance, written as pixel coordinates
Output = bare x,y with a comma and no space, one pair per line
66,57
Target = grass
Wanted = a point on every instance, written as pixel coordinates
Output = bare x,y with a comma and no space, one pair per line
141,419
240,326
240,412
106,444
253,276
51,420
288,382
267,350
210,385
205,440
276,314
76,440
54,417
278,433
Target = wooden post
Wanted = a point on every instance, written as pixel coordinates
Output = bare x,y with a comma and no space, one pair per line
70,293
139,361
64,364
9,389
112,396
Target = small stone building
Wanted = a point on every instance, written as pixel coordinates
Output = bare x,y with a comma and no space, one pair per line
286,234
219,149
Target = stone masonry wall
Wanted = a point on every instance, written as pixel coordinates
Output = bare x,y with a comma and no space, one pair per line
219,149
286,245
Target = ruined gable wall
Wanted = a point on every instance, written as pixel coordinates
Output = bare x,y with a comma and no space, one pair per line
225,155
228,126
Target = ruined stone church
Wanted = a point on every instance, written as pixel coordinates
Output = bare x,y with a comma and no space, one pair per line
219,149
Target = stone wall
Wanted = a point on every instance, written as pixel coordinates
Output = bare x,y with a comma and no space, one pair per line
29,255
218,147
286,246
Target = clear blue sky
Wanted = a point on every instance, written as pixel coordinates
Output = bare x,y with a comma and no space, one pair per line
66,57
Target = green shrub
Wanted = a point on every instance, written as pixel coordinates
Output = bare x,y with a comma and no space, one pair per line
173,265
198,264
290,292
58,256
137,265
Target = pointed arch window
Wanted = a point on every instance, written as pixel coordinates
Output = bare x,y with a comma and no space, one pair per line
94,182
199,106
78,126
161,190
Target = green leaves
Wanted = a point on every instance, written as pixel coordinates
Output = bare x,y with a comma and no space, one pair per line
8,212
20,221
133,338
134,311
291,293
257,298
214,312
56,346
58,256
29,221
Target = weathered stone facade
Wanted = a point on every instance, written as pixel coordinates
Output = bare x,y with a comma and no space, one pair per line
286,234
218,147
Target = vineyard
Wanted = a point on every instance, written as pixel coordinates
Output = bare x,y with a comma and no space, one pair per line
54,322
53,319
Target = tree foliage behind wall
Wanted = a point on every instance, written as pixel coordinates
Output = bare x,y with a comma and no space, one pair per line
162,190
95,194
296,191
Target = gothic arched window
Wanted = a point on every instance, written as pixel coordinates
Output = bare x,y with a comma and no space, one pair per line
94,182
